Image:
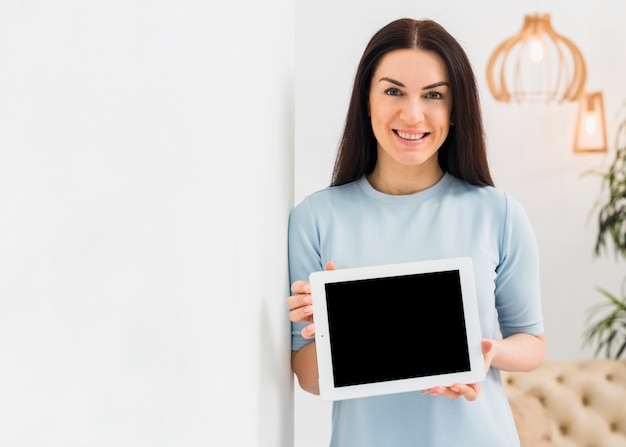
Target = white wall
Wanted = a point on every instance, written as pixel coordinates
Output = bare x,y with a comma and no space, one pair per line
530,146
145,181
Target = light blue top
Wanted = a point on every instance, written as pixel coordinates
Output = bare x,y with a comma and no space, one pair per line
355,225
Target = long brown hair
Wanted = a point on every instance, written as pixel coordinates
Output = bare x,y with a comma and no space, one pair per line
463,153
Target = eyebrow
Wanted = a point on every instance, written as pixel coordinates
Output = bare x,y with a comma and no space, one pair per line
400,84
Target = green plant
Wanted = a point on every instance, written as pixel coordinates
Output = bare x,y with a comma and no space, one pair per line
608,331
607,320
612,214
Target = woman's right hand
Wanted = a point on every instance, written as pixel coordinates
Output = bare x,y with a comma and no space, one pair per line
300,304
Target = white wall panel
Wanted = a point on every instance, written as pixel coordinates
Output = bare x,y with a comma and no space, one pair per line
145,181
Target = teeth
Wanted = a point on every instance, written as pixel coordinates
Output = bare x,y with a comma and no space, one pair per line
410,136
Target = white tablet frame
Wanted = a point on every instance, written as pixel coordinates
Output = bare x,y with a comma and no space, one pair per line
476,372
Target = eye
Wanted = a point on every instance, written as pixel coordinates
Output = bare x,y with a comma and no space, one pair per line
434,95
393,92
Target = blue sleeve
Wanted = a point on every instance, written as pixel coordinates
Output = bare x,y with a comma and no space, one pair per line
304,257
518,294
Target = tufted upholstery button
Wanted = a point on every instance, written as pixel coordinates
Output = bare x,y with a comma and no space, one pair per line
584,401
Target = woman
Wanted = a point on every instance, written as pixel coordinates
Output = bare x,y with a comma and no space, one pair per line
411,182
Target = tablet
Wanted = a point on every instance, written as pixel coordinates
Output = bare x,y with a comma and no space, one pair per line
396,328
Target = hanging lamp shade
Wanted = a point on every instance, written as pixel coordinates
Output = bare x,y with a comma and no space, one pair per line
590,125
536,65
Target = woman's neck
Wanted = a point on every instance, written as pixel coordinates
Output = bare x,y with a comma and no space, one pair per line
404,182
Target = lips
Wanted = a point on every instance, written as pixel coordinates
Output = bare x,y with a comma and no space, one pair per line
409,135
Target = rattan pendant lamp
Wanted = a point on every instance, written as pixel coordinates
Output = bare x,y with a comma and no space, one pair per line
536,65
540,65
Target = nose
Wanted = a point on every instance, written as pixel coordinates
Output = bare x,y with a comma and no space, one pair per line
412,112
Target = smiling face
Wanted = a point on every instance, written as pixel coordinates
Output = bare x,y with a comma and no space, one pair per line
410,104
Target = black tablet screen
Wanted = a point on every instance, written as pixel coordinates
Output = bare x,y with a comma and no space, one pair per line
396,328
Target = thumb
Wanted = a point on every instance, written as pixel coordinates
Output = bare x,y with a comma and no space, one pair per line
330,266
487,345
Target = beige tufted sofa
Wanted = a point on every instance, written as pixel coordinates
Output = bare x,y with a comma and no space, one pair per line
578,403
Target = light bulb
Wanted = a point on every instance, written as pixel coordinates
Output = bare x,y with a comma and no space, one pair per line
590,123
536,49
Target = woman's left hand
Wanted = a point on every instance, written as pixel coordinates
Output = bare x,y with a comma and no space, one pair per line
471,391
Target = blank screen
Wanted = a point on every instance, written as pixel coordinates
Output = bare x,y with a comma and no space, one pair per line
398,327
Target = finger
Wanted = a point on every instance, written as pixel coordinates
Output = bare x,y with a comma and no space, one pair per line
450,393
309,331
487,345
296,301
301,286
302,314
330,266
469,392
488,353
